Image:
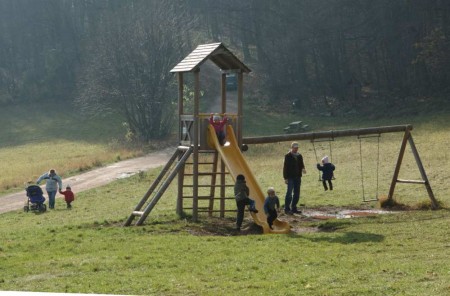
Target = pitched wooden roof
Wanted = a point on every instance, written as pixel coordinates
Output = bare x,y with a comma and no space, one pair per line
215,52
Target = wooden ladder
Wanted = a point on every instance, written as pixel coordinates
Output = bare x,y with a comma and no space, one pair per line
207,168
159,186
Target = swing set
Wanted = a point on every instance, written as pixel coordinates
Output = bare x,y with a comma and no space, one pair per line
363,133
331,139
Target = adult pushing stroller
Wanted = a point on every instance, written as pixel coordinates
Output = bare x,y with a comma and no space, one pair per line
35,200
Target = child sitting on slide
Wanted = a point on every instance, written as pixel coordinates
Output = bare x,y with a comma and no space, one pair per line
219,124
271,206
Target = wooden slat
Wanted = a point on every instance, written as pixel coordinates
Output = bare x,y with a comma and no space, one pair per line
199,197
214,186
411,181
206,210
207,174
207,197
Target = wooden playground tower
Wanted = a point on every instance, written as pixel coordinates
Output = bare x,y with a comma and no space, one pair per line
193,142
193,139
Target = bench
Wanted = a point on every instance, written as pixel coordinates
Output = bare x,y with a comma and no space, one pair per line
295,127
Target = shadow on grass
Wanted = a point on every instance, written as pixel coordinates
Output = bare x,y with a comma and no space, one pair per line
349,238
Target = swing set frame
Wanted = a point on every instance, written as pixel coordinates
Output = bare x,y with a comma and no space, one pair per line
364,133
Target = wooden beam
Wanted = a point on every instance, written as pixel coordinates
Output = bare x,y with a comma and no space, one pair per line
328,134
410,181
196,142
434,203
399,164
240,98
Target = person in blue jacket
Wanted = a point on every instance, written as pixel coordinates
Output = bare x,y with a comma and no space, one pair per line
271,206
327,172
53,183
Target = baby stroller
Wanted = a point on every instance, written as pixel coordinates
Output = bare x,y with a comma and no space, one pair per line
35,200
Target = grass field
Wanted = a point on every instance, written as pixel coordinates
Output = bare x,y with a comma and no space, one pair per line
407,253
35,138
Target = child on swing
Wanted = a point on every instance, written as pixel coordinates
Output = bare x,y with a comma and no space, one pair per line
219,124
327,172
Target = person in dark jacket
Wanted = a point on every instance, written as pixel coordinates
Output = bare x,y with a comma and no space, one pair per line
241,192
327,172
293,168
271,206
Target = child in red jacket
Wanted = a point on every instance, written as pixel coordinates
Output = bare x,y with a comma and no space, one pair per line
69,196
219,125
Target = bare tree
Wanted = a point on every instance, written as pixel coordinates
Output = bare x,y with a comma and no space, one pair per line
128,67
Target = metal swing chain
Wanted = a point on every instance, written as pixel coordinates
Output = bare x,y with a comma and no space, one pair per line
315,153
331,152
378,164
361,165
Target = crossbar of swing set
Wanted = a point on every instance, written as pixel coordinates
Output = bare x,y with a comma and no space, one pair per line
327,134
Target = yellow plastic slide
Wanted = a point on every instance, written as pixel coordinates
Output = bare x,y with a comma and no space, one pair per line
236,165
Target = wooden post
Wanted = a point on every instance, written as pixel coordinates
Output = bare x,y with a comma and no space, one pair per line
240,94
212,191
222,188
180,189
179,208
222,164
180,103
399,164
223,91
196,142
434,203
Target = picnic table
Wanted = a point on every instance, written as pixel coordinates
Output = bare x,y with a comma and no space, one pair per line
296,127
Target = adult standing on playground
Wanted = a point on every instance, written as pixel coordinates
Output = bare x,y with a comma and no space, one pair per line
293,168
53,183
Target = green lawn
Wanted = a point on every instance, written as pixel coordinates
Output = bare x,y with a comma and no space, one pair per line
86,250
35,138
407,253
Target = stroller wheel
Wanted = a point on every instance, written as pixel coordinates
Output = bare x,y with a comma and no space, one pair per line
43,208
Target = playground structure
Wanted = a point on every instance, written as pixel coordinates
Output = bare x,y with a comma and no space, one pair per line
197,138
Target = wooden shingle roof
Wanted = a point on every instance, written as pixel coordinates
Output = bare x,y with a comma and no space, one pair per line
215,52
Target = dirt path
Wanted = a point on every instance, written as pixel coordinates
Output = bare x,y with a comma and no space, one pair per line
122,169
97,177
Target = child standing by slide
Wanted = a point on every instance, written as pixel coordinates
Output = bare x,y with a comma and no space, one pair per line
271,206
241,192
